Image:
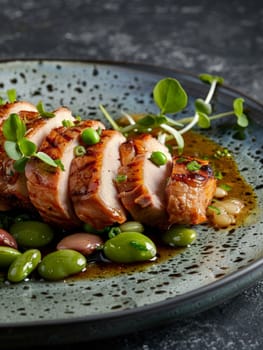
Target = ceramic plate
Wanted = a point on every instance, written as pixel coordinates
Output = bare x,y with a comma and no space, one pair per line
216,267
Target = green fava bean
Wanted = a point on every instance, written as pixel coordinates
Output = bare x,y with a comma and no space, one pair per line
179,236
128,247
61,264
7,256
23,265
32,234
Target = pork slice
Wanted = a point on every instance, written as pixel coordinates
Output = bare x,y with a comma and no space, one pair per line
189,191
13,184
142,190
92,182
15,107
48,186
7,175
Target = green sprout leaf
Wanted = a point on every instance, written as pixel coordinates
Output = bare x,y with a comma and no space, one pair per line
11,94
170,96
147,121
46,159
27,148
19,148
203,121
12,150
238,110
14,128
60,164
20,164
208,78
202,106
41,110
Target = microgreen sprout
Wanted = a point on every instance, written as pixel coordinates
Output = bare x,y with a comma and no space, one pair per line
11,97
19,148
193,165
41,110
171,98
225,187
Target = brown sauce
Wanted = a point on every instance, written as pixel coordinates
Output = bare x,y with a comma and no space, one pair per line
199,146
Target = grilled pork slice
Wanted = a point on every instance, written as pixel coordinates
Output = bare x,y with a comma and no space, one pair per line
15,107
48,186
190,189
5,110
91,182
13,187
142,190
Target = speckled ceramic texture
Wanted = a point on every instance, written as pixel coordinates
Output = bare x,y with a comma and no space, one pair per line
215,257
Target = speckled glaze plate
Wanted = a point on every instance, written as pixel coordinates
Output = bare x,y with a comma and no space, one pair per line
218,266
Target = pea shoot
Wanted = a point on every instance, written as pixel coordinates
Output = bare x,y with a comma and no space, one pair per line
171,98
41,110
19,148
11,97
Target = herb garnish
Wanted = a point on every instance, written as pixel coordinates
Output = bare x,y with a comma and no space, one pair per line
138,246
19,148
171,98
193,166
11,95
43,113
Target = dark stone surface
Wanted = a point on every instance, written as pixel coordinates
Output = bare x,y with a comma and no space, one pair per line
221,37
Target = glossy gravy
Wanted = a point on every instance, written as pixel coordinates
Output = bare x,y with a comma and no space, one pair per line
199,146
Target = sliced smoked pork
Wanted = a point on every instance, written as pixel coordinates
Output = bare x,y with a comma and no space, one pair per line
13,187
5,110
15,107
92,182
48,186
190,190
142,190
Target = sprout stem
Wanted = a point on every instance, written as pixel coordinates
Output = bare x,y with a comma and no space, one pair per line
109,118
129,117
222,115
211,91
176,134
196,116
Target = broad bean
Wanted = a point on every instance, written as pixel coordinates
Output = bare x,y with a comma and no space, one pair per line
32,234
23,265
179,236
61,264
7,256
128,247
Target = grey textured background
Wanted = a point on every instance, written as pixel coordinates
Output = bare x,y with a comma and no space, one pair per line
222,37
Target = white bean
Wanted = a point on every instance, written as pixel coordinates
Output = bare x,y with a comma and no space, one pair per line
232,206
222,220
220,193
225,213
